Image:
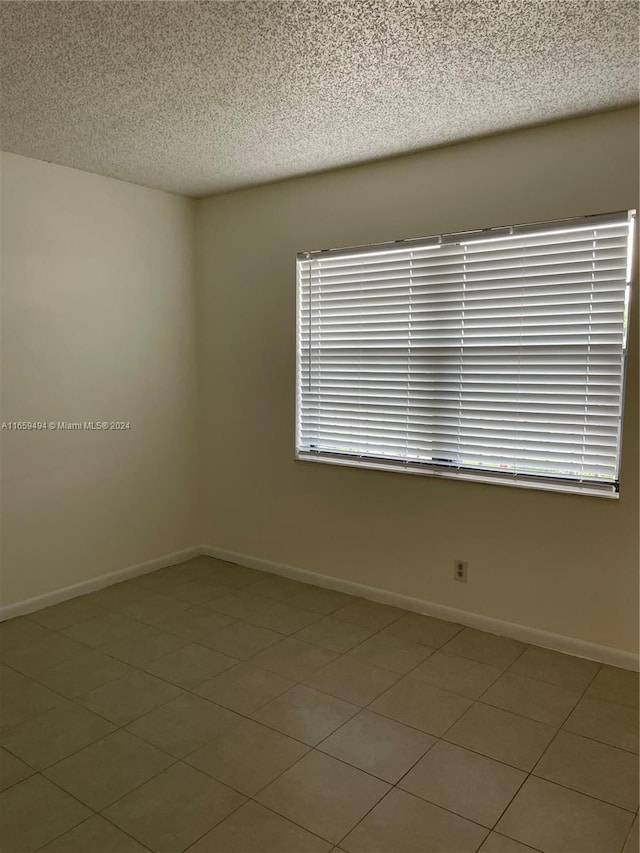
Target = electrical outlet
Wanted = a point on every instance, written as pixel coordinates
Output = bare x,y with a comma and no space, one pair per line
460,570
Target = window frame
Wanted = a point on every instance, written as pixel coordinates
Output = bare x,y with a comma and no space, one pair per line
572,485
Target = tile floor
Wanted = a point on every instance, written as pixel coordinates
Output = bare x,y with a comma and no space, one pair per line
212,708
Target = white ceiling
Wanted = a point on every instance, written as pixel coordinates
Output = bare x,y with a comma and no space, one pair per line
201,97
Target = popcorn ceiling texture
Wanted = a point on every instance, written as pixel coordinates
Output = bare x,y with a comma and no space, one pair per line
202,97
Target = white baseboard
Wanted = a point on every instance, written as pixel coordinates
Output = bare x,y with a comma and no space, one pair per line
524,633
20,608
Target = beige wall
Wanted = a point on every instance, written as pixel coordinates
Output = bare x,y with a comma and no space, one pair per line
97,324
562,563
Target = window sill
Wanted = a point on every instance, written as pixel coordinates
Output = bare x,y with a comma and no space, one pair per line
519,481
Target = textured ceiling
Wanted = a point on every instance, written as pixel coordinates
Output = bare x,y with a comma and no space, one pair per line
199,97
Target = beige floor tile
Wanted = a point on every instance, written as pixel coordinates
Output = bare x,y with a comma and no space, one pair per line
15,632
36,656
141,650
420,705
457,675
352,681
238,577
163,581
53,736
402,823
464,782
607,722
200,566
292,659
199,590
242,640
632,844
244,688
592,768
496,843
117,595
499,734
154,608
12,770
66,613
176,574
10,676
197,623
370,613
275,587
110,628
190,666
186,568
83,673
323,795
241,605
377,745
130,697
485,648
391,653
305,714
546,703
248,756
284,618
426,630
34,812
170,812
319,600
615,685
21,699
105,771
183,725
556,668
557,820
95,835
334,634
255,829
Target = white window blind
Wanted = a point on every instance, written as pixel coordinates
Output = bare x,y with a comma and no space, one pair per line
487,355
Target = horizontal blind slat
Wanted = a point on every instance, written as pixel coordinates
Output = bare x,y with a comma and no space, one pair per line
499,351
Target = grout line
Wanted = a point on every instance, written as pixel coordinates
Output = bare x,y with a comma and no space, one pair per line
558,730
440,739
338,654
309,749
75,826
631,829
511,838
94,813
560,727
366,815
583,794
211,828
191,690
124,831
250,661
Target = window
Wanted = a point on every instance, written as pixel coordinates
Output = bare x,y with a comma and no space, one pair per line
493,355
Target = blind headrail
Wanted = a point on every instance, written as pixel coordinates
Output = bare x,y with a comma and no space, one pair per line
497,232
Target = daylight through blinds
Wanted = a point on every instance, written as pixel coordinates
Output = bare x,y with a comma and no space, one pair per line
497,353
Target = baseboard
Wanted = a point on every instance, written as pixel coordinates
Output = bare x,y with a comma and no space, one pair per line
524,633
20,608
